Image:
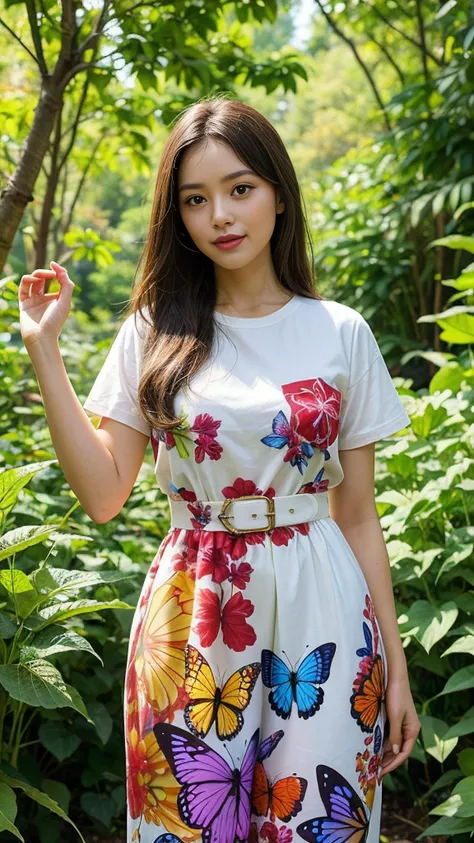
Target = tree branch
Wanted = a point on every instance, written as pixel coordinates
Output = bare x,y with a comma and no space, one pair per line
91,39
82,180
359,61
401,33
403,10
388,56
77,69
2,22
421,32
36,35
48,17
75,124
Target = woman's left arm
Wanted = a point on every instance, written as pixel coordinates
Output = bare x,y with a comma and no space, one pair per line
352,507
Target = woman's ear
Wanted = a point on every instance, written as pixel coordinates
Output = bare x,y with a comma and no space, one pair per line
280,205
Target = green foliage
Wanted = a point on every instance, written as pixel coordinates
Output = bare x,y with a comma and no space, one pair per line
426,509
67,587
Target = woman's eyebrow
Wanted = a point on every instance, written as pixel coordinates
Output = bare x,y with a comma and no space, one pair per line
235,175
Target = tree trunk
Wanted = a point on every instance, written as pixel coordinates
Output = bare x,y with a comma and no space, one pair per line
49,198
19,189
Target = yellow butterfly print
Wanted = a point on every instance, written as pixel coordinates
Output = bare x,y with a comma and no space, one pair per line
208,703
160,653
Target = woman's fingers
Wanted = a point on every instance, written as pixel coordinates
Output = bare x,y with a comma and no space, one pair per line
34,283
67,286
393,762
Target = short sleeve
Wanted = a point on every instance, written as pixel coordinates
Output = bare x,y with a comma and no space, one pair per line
371,408
115,390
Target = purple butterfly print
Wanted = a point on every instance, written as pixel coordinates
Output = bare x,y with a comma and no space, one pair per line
283,434
213,797
269,744
347,820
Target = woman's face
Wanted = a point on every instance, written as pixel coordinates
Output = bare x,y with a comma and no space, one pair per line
216,199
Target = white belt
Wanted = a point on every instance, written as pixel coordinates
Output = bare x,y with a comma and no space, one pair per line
251,513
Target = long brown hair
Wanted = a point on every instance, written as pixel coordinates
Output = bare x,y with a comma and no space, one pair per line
177,284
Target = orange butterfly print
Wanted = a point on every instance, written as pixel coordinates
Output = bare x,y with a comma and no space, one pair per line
369,685
283,798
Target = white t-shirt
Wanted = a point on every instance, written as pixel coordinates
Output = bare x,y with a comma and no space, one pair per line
278,398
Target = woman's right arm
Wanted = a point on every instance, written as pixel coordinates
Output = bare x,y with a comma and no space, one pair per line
101,465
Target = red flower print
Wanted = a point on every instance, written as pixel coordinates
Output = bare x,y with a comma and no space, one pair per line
281,536
213,562
202,514
236,632
206,442
209,617
240,575
205,424
185,560
242,488
315,407
206,445
269,833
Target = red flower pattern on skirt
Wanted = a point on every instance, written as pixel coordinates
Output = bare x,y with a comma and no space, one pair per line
237,634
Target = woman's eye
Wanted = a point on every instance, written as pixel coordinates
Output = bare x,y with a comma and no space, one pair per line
237,187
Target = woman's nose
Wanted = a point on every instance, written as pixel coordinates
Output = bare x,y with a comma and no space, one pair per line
221,213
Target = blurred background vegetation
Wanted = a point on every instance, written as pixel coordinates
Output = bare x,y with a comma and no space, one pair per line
375,101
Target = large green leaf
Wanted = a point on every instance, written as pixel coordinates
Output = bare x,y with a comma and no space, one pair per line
466,761
15,582
56,639
464,644
455,241
63,611
8,626
58,739
464,727
37,683
457,322
462,680
12,480
102,808
57,791
434,732
39,797
61,579
461,801
8,810
448,826
103,722
23,537
428,623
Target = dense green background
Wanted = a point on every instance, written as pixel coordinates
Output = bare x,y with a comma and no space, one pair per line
375,103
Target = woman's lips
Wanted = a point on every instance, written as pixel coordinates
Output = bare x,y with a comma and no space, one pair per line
230,244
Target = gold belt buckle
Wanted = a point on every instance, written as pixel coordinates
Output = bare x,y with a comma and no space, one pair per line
270,514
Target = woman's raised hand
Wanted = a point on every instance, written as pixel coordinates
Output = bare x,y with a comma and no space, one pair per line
43,316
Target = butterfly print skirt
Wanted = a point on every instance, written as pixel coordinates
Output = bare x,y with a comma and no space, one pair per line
254,703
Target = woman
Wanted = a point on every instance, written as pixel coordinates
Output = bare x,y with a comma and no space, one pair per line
267,692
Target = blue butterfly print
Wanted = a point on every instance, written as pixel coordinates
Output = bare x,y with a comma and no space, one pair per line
347,820
168,838
368,650
282,435
301,685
